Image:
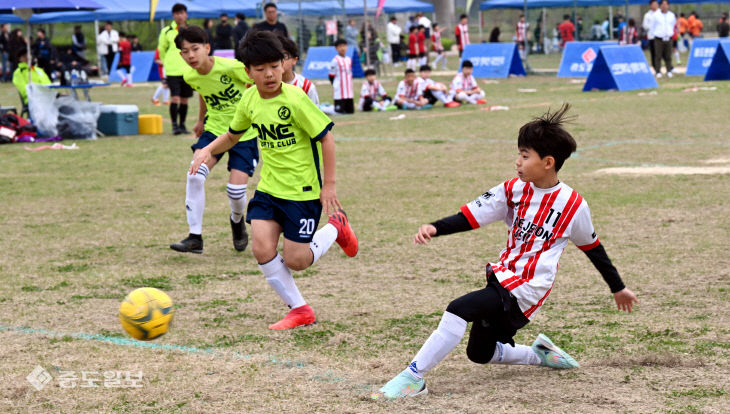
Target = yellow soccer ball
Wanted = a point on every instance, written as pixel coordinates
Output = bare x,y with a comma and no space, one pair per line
146,313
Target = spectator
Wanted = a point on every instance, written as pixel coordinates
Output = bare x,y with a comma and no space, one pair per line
124,66
20,75
78,42
605,26
566,29
271,23
304,36
175,67
351,34
424,21
43,51
438,47
462,33
723,27
320,33
695,25
494,35
107,44
618,24
239,32
370,46
579,28
136,46
683,30
4,49
629,35
521,35
393,36
648,24
663,30
596,30
15,45
223,34
208,27
538,36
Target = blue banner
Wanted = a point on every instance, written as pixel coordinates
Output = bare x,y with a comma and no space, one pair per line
623,68
317,64
494,60
700,56
578,57
145,68
720,67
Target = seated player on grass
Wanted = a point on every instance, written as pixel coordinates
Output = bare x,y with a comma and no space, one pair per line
434,91
408,95
542,215
372,94
220,83
464,87
295,140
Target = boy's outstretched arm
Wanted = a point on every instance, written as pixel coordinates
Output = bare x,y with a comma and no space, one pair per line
221,144
624,297
447,225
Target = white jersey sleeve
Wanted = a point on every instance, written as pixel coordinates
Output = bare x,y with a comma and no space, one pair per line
333,67
487,208
312,94
457,84
365,90
581,231
401,91
381,90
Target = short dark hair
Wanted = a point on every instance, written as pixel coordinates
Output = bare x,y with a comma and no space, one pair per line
369,72
546,136
269,5
412,28
41,30
21,53
652,1
435,25
178,7
463,16
191,34
289,46
108,22
566,17
424,67
259,47
340,42
122,34
467,64
77,27
240,16
409,70
393,18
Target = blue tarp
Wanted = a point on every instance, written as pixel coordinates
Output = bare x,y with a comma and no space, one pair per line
531,4
334,7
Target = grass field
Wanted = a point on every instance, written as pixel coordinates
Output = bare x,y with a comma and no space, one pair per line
80,229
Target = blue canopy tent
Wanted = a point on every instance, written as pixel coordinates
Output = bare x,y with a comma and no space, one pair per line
532,4
337,7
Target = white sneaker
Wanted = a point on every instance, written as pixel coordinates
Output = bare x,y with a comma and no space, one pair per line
670,74
659,75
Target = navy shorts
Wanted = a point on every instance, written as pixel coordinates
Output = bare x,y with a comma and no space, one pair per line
299,219
242,157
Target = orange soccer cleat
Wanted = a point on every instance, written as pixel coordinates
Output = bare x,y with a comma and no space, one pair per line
156,102
301,316
452,104
481,101
345,236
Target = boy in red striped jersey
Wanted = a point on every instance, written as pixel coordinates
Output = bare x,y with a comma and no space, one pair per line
341,79
542,215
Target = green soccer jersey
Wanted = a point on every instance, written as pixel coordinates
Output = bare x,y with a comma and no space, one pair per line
169,53
221,89
289,127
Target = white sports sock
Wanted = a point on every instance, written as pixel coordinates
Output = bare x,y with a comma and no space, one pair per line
280,279
445,338
322,240
166,94
237,200
519,355
129,75
441,96
158,92
121,74
472,99
195,199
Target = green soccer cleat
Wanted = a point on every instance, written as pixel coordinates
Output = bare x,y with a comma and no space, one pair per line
551,355
403,385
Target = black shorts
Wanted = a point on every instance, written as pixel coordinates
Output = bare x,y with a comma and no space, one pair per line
422,54
345,106
429,96
298,219
412,56
125,67
496,317
242,157
178,87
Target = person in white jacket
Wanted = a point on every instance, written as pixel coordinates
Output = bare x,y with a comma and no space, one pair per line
107,44
648,24
662,28
392,35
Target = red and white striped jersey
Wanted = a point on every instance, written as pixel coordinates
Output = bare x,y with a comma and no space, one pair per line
463,83
540,222
341,68
373,90
462,35
307,86
436,42
520,31
411,91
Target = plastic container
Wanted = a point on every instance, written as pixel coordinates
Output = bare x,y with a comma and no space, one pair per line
118,120
150,124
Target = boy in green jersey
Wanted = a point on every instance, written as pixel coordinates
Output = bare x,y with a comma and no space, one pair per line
220,83
295,139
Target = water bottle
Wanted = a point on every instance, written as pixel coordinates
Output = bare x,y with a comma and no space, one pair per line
83,77
74,77
67,76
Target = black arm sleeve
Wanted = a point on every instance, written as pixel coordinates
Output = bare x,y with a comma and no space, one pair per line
600,260
452,224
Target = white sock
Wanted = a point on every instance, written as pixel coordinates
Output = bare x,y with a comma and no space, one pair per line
129,75
237,200
195,199
445,338
322,240
441,96
280,279
166,94
121,74
158,92
519,355
472,99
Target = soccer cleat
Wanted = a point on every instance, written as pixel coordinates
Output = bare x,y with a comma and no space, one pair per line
345,236
391,108
301,316
156,102
481,101
124,81
240,235
403,385
452,104
659,75
167,102
189,245
183,130
670,74
175,129
551,355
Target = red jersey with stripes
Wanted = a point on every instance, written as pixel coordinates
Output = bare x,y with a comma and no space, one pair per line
463,83
436,42
341,68
462,35
540,222
410,91
373,90
307,86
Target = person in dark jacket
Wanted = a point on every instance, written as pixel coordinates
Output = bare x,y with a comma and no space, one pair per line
224,34
240,30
